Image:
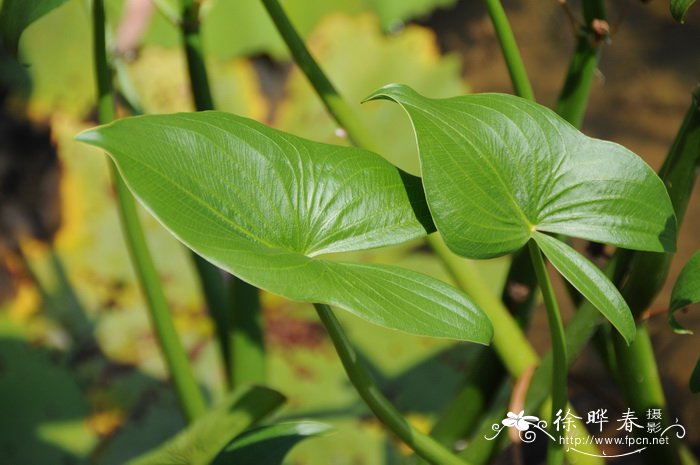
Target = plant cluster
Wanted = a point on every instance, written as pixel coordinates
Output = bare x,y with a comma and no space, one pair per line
499,175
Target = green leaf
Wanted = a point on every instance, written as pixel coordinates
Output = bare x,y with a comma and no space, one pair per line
686,291
695,379
590,282
16,15
200,443
268,445
679,8
263,204
499,170
496,168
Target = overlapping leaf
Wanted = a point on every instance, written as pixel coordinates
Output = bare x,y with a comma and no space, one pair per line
499,170
268,445
590,282
262,204
686,291
16,15
201,442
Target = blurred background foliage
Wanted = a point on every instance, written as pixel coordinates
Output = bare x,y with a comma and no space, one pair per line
81,378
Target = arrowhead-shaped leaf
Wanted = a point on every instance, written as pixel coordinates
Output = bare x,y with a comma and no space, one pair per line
679,9
497,167
268,445
686,291
16,15
263,204
499,170
200,443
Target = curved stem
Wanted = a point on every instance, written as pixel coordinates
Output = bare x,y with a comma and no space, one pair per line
176,358
334,103
425,446
555,452
514,62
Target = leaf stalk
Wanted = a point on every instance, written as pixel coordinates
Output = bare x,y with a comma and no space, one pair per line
555,451
425,446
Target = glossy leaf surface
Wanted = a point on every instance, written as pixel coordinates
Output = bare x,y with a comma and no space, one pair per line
201,442
268,445
497,168
16,15
262,204
590,282
686,291
679,8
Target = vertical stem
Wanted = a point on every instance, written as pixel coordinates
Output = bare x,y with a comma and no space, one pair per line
642,385
555,452
192,39
514,62
334,103
239,323
423,445
573,98
637,361
176,359
247,343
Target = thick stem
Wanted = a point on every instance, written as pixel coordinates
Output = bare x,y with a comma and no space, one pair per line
176,359
647,275
192,40
514,62
509,341
555,452
642,388
334,103
573,98
425,446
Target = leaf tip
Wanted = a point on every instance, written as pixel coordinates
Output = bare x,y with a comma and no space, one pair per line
89,136
679,8
389,92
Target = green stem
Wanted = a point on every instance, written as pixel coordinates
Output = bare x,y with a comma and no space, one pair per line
176,359
509,47
642,388
334,103
487,373
648,272
247,343
192,39
555,452
425,446
573,98
479,449
678,173
509,341
242,345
